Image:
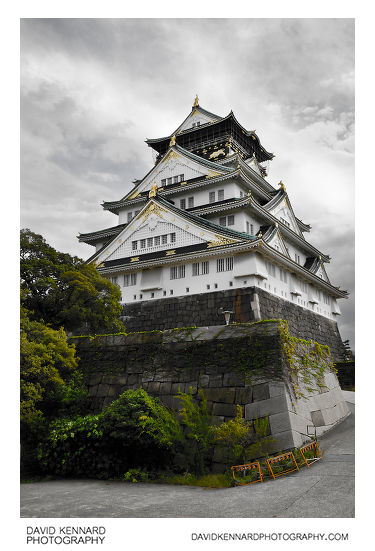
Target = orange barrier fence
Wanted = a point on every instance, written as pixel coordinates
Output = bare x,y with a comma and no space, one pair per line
279,459
314,448
247,467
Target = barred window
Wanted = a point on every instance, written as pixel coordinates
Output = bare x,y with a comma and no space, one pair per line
224,264
220,195
182,177
177,272
304,286
175,179
130,279
183,204
149,241
173,237
134,245
200,268
211,197
190,202
169,181
157,240
163,182
231,220
164,239
130,216
283,275
223,221
271,269
143,243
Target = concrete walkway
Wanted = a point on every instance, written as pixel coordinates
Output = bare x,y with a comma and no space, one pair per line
324,490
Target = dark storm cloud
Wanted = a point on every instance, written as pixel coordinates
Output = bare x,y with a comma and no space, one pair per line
94,89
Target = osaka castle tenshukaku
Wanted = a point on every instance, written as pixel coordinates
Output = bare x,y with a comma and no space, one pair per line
205,223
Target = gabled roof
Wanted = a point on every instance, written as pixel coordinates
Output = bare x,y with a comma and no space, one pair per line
160,143
221,231
211,165
100,234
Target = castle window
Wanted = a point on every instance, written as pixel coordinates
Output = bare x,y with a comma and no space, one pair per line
163,182
134,297
173,237
215,285
183,204
134,245
220,195
136,212
231,220
164,293
177,272
271,269
187,289
114,280
224,264
208,287
231,284
130,216
190,202
182,177
149,241
200,269
297,258
205,267
143,243
169,181
171,292
223,221
130,279
175,179
304,286
248,227
285,222
140,296
211,197
164,239
152,295
283,275
157,240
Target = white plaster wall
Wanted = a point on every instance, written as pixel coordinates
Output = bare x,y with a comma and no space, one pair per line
241,276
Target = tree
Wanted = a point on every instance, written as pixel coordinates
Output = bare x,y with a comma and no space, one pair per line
49,379
64,291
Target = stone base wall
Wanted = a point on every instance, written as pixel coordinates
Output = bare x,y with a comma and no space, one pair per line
233,365
247,304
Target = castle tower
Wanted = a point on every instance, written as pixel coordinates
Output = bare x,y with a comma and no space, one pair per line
203,231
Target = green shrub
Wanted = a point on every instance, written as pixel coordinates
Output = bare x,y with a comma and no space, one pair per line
135,430
199,432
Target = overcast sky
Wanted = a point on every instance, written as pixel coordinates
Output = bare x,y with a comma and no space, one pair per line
93,90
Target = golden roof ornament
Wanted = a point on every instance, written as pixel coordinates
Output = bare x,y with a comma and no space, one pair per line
281,185
173,141
195,104
153,191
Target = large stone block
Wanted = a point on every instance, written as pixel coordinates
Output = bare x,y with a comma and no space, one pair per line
317,418
233,379
225,395
277,404
261,392
215,381
244,395
226,410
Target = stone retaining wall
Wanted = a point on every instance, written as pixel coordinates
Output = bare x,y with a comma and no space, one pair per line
247,304
233,365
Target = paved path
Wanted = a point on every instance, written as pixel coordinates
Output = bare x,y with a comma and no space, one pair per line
324,490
